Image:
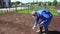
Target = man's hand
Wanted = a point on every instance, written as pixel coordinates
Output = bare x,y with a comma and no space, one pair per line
42,23
33,27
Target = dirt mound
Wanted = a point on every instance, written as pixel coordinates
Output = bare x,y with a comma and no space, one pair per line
22,24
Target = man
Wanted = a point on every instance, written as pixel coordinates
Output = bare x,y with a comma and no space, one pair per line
45,16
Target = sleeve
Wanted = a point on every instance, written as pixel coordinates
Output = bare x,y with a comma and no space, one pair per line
36,21
43,21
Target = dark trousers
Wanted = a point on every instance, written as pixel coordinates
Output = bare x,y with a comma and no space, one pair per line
41,28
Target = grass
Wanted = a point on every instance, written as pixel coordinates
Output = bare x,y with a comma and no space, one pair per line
26,11
54,12
2,12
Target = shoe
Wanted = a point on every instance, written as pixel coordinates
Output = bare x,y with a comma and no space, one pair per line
39,30
46,31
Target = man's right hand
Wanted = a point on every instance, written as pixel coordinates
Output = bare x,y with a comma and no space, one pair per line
33,27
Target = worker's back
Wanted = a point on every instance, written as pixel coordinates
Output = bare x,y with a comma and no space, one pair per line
44,13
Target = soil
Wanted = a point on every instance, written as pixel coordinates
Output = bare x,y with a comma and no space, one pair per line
22,24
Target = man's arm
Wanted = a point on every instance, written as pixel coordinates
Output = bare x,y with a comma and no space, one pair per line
36,21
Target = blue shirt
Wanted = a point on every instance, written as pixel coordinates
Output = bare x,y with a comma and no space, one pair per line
42,14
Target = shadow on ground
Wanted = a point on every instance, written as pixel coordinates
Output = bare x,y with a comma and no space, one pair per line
52,32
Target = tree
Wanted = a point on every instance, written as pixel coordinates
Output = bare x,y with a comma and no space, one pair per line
18,2
40,3
44,3
49,3
55,2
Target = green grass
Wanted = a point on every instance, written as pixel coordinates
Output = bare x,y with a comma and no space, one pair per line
54,12
2,12
26,11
